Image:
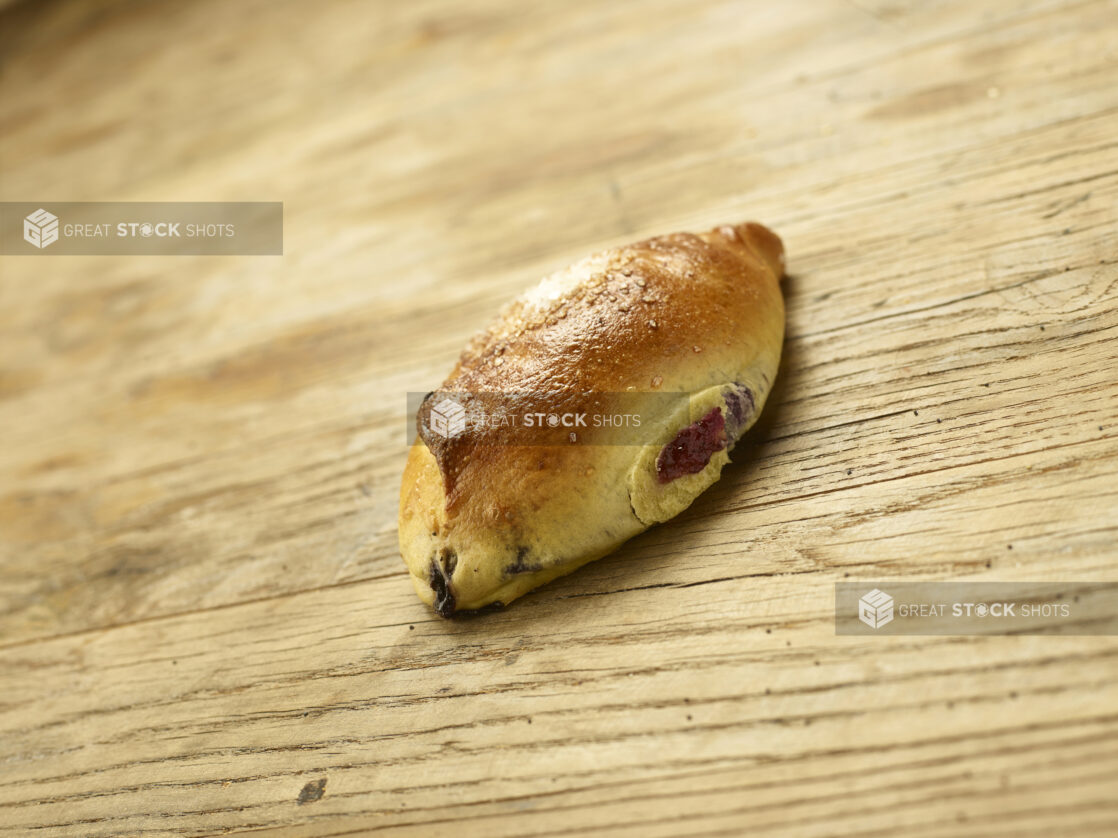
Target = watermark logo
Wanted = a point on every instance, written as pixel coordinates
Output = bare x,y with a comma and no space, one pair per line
142,228
875,609
40,228
448,418
975,607
569,417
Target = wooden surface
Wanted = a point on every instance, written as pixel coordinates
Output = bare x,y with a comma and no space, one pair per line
205,625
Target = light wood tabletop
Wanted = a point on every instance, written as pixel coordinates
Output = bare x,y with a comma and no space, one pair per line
205,623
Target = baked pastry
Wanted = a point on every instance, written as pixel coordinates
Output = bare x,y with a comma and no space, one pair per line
690,324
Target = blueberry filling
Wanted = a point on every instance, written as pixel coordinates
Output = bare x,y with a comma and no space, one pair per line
692,447
440,582
740,404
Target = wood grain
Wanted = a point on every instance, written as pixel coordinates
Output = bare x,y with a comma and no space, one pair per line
205,625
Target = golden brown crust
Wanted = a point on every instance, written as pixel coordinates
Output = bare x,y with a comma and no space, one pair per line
678,313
